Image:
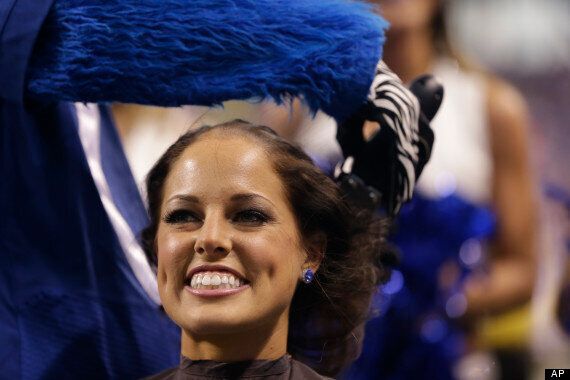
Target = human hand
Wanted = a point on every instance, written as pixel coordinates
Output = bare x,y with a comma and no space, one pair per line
392,159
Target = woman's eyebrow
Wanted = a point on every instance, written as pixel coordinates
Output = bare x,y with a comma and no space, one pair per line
184,197
248,197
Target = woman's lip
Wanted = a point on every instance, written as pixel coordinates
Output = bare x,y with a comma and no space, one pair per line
214,268
215,293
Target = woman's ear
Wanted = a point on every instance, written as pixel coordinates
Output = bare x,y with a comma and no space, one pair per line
316,246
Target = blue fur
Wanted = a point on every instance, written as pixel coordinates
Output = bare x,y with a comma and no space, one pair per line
174,52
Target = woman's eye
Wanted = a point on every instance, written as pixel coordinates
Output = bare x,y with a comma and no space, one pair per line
181,216
251,217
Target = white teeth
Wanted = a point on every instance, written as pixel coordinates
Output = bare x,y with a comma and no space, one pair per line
215,280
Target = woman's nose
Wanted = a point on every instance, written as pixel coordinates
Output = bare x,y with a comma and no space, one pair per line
213,237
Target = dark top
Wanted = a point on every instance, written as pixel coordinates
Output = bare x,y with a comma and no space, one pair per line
280,369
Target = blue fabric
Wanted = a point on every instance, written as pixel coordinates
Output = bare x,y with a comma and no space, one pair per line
413,336
70,306
19,25
69,294
173,52
122,186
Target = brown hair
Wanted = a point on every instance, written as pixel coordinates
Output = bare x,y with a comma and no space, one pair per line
442,43
327,314
440,34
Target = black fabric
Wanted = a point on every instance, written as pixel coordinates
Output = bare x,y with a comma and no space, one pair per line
280,369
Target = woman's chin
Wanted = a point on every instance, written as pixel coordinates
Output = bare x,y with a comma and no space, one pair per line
217,327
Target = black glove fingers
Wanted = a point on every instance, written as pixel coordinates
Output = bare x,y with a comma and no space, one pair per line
349,134
394,157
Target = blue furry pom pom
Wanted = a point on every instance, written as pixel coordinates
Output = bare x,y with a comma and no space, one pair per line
203,52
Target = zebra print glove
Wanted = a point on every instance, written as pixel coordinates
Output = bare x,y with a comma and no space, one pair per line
393,158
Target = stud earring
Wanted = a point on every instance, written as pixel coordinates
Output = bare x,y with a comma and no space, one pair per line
307,275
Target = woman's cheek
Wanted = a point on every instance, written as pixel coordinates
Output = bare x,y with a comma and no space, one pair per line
174,252
254,253
275,255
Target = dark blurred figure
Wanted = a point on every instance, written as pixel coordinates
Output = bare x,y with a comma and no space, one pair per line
468,238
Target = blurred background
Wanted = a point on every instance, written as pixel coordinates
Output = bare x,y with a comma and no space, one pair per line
527,44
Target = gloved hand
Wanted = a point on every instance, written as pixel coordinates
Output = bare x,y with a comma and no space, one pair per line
390,162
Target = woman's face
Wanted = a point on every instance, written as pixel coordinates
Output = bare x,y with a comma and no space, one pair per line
229,251
407,14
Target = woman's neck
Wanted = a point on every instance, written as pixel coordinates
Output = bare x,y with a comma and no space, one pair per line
262,343
409,53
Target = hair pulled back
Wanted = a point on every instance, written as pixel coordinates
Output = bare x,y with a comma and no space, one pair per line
327,315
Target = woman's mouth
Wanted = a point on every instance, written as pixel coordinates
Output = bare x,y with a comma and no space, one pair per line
210,280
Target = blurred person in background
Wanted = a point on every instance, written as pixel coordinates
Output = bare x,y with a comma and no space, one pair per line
468,239
148,131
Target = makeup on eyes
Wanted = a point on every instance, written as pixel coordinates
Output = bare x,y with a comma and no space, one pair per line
252,216
181,215
241,208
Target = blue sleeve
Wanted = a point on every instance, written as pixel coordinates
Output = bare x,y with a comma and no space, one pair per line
70,303
20,23
174,52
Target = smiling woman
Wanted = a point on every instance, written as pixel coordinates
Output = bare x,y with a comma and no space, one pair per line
241,221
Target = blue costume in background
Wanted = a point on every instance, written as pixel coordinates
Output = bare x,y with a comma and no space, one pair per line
70,305
413,337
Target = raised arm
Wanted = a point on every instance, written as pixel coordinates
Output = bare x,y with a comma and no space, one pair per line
174,52
510,280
